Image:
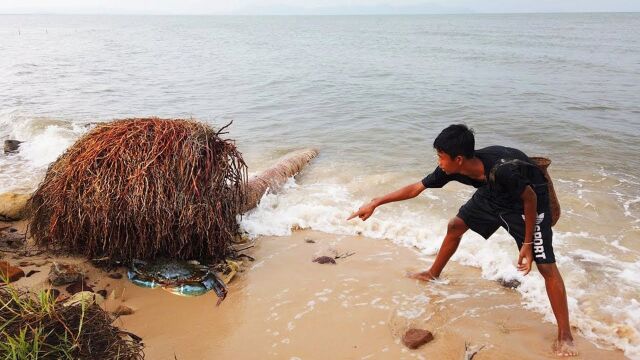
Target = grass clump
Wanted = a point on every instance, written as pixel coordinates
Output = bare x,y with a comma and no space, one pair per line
35,326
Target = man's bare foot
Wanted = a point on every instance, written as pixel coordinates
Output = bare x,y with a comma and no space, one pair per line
422,276
564,347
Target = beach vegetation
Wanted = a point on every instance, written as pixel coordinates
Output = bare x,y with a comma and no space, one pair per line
34,325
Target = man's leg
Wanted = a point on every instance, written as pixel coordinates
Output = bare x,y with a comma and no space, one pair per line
455,230
558,298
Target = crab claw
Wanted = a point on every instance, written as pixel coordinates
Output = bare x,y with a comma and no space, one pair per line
213,282
232,270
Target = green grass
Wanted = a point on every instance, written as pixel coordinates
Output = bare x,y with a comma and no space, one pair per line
22,329
35,326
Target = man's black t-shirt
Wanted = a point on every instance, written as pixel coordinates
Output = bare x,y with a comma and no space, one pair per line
510,179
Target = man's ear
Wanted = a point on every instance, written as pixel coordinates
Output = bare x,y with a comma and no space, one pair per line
459,159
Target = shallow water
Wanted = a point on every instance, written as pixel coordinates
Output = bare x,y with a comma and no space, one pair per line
371,92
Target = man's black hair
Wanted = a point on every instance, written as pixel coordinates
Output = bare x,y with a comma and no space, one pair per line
456,140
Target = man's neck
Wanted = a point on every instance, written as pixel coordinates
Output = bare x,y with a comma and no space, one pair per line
474,168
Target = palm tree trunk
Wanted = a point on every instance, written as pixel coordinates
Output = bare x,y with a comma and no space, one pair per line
274,177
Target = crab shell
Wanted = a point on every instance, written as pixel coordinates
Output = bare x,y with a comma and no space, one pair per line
169,272
177,277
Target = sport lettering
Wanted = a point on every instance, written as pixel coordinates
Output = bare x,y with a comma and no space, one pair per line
538,248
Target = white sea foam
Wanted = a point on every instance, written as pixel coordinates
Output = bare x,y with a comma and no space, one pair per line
628,204
43,140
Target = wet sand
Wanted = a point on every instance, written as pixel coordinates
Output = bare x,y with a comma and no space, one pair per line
284,306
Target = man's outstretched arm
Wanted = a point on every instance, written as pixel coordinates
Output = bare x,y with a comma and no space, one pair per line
407,192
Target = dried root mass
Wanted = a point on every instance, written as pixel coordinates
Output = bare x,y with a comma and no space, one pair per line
141,189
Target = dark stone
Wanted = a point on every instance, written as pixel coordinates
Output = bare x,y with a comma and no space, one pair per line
414,338
309,241
32,272
103,293
512,284
78,286
115,276
11,146
61,274
324,260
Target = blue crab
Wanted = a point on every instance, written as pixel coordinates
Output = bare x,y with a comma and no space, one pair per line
178,277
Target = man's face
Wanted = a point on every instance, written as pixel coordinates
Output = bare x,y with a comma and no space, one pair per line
447,164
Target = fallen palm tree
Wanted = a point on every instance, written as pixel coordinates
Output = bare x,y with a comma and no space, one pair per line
150,188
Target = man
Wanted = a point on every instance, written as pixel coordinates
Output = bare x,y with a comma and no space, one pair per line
512,193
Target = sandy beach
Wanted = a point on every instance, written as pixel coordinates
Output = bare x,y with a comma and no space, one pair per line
284,306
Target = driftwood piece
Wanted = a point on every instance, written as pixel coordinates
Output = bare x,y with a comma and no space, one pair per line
471,351
274,177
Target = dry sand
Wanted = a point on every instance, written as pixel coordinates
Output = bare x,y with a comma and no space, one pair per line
284,306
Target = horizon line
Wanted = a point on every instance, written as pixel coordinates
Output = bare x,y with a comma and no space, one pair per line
319,14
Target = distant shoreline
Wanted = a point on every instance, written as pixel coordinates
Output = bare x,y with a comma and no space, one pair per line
97,13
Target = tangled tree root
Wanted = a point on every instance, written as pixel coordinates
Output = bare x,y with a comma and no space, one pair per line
142,189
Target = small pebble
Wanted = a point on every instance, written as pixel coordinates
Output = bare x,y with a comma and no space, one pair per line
325,260
414,338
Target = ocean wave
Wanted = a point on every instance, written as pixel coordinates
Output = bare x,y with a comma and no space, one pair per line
593,108
43,141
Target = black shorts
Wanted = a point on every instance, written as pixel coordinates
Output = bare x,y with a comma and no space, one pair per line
485,217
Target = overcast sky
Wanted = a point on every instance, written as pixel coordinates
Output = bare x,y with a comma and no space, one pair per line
313,6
